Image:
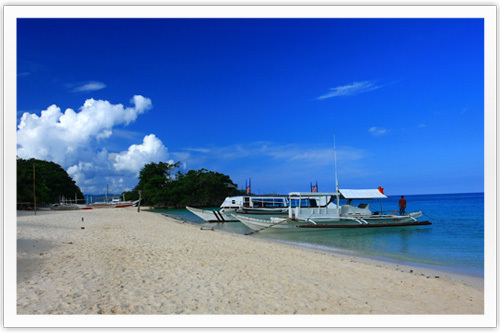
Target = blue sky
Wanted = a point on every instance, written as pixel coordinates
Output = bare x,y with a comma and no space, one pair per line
257,98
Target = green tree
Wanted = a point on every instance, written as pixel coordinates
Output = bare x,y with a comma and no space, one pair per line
51,182
204,188
130,195
160,188
153,181
201,188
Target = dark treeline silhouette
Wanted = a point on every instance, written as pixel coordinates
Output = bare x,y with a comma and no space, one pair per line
161,187
51,182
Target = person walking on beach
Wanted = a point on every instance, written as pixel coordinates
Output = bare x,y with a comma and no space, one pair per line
402,205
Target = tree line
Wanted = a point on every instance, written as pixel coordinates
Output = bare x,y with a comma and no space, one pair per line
50,179
160,186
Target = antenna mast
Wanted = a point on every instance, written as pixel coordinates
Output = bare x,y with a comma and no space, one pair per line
336,178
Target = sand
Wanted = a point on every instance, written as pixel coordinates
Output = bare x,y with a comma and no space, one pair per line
119,261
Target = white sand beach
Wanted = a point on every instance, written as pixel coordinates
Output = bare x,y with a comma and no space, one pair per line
119,261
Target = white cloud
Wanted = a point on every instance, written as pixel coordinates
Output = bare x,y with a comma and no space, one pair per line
59,137
94,172
376,131
90,86
350,89
78,171
132,160
74,139
289,153
200,150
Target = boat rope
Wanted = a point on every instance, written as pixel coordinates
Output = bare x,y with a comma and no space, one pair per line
269,226
177,218
433,218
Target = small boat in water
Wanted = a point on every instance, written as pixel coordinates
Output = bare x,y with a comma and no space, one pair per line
68,206
113,204
213,215
264,205
261,205
115,201
334,215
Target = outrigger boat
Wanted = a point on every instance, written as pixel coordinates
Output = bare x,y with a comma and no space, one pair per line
113,204
267,205
115,201
68,206
334,215
259,205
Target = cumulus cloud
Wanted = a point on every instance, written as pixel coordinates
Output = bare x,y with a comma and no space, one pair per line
90,86
75,140
377,131
132,160
79,171
58,136
95,171
350,89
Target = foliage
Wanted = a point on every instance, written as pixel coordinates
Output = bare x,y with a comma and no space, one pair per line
130,195
51,182
197,188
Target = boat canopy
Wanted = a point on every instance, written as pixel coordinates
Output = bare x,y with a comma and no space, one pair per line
361,194
312,194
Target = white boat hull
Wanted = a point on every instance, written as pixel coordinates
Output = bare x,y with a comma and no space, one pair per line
121,204
263,211
213,216
273,205
330,222
67,207
111,205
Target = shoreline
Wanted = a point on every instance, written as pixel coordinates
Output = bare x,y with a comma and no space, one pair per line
118,261
473,281
422,269
416,268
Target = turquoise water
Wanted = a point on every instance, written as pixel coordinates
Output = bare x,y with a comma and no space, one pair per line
454,242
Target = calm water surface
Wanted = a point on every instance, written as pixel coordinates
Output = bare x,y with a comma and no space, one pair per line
454,242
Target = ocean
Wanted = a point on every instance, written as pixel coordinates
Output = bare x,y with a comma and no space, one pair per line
454,242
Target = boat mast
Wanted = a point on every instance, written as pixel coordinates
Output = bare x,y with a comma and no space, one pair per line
336,178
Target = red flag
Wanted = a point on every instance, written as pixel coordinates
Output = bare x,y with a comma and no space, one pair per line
249,187
381,189
315,189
